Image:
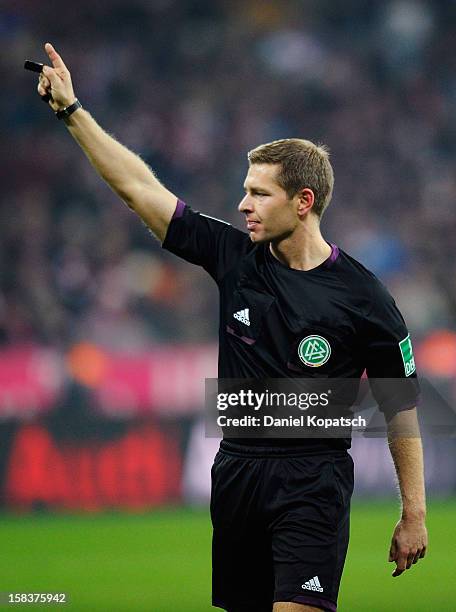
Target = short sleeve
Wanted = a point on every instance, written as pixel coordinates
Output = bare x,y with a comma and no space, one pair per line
389,355
205,241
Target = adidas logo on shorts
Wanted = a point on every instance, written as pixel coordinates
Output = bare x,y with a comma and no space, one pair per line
242,316
313,585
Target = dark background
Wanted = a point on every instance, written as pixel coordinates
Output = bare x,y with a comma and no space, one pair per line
191,87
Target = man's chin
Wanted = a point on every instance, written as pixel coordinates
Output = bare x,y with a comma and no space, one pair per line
258,237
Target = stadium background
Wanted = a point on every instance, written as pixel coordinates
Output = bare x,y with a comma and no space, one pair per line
106,340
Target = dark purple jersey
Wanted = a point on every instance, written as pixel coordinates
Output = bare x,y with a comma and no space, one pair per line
334,321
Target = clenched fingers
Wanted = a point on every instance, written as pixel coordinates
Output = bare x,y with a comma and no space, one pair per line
404,560
410,559
44,85
401,564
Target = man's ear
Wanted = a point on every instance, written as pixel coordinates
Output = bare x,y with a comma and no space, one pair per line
306,199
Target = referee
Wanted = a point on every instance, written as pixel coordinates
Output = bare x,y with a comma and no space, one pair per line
279,508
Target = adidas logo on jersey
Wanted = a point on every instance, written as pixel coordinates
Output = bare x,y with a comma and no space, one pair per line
313,585
242,316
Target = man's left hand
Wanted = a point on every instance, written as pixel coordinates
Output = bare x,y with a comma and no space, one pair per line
408,544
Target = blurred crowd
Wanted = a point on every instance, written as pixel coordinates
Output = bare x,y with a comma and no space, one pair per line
191,86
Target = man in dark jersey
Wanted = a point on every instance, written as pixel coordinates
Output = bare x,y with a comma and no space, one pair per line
291,305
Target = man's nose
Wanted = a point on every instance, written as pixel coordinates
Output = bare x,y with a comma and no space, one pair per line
245,204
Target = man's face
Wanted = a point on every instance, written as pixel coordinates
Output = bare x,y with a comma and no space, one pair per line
270,214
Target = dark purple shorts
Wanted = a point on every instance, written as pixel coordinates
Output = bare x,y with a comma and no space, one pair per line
281,526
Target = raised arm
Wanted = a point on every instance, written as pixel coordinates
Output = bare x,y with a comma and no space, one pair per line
123,170
409,540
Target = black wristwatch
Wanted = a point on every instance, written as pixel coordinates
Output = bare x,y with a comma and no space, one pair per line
64,113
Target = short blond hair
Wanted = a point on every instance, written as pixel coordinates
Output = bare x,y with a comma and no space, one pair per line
303,164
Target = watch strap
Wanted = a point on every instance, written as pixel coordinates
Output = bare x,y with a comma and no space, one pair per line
64,113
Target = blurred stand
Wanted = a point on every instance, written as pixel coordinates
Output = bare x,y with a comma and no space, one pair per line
373,80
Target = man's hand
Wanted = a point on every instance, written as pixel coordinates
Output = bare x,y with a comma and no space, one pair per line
56,81
408,544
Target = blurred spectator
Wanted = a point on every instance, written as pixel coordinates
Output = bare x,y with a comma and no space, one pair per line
191,86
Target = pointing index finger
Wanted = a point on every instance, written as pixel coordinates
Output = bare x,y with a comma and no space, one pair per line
55,58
